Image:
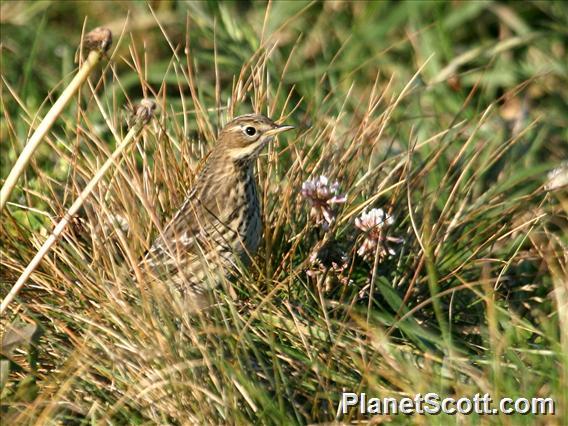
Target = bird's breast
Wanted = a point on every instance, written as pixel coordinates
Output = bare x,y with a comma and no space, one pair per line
245,221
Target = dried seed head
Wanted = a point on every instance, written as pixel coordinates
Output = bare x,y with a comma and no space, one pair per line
330,261
98,39
141,113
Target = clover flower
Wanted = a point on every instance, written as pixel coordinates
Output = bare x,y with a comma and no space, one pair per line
374,224
322,196
557,178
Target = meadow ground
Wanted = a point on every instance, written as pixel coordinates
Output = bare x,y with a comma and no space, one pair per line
437,263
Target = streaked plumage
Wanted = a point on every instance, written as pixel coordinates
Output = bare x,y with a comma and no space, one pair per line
219,225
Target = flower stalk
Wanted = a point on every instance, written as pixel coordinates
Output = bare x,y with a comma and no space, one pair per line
144,114
97,41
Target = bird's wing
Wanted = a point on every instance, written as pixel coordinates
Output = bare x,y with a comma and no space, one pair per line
176,240
189,235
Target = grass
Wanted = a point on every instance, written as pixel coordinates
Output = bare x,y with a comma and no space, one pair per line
448,116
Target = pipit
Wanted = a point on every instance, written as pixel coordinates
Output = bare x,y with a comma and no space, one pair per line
219,225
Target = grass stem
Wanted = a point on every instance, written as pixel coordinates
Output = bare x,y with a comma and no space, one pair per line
60,227
93,59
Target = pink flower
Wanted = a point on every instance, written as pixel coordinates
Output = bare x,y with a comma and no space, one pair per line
322,196
374,224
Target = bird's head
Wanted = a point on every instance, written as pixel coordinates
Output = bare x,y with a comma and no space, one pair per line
244,137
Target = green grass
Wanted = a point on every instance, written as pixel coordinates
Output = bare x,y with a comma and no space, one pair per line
450,116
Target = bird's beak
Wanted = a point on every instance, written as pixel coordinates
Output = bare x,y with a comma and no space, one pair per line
278,130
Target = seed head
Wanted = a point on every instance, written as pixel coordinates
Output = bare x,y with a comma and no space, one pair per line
330,263
141,113
99,38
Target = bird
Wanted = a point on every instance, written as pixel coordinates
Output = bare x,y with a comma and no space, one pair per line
218,227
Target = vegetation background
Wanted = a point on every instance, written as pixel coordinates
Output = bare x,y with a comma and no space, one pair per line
450,116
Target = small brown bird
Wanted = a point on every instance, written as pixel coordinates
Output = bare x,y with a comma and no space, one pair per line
219,225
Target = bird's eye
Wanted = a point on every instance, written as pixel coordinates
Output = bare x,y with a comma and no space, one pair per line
251,131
